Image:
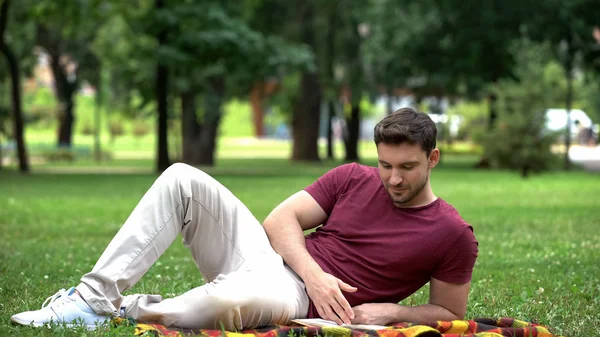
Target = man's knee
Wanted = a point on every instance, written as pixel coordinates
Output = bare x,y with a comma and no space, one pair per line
179,169
181,172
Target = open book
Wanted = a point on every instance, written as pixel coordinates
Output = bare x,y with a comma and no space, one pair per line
322,322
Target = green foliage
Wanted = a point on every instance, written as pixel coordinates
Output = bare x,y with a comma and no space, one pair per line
5,129
590,99
288,93
207,40
440,45
474,119
128,62
40,108
519,140
20,36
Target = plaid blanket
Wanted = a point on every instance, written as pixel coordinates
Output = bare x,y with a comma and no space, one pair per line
480,327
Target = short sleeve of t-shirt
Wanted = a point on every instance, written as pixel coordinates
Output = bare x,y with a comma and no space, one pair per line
456,266
328,188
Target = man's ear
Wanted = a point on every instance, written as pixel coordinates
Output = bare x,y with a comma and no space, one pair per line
434,158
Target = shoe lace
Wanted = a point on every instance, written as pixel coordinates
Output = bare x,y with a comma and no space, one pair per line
54,297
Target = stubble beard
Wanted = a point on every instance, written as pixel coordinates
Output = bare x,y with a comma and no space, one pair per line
412,194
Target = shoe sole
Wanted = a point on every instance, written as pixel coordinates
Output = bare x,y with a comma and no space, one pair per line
39,325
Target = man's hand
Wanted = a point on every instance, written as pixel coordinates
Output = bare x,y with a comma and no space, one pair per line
374,313
325,290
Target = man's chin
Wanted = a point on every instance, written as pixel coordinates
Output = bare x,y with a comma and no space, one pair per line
400,201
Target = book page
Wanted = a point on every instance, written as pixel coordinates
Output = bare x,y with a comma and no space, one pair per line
322,322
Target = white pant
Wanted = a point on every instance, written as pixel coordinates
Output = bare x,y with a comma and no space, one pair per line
248,283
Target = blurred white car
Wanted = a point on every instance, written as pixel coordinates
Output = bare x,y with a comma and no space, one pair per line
556,120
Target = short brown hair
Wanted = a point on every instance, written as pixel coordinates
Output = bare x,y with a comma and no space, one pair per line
407,126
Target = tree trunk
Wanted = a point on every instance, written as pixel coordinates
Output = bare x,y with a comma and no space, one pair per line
330,140
333,15
353,47
307,108
212,118
13,63
484,161
162,155
200,139
66,121
305,123
569,72
162,77
65,90
389,105
525,171
190,128
257,98
353,124
1,157
493,110
98,120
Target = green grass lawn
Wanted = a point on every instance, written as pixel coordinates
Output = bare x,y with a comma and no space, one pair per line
538,238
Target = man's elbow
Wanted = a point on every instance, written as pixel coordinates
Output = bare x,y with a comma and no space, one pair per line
453,316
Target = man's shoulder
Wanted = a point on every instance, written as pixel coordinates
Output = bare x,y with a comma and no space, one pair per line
354,176
449,214
356,169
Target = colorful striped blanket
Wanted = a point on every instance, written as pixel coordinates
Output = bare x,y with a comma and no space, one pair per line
481,327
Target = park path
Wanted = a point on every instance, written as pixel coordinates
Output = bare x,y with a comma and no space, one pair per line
588,157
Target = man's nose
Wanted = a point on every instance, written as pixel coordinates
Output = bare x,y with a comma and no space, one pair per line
396,178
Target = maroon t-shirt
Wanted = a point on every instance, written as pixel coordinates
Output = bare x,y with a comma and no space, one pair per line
388,253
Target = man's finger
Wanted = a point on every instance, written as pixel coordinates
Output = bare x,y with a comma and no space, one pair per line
346,287
341,312
321,312
345,306
330,315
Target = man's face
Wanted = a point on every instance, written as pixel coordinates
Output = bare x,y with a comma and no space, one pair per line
404,170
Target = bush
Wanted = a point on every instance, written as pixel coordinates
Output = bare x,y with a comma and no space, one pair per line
474,120
116,129
140,128
104,155
58,155
87,128
520,140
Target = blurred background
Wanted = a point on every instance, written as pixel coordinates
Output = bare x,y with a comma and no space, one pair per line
144,83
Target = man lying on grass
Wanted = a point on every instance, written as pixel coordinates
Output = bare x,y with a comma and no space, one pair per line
384,235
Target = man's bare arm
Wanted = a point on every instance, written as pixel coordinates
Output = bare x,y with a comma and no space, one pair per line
447,301
285,228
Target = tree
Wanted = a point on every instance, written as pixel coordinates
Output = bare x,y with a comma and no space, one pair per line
354,32
568,26
215,55
307,106
15,75
67,43
520,140
162,79
138,64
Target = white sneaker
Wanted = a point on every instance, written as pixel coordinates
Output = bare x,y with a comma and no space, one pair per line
63,307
